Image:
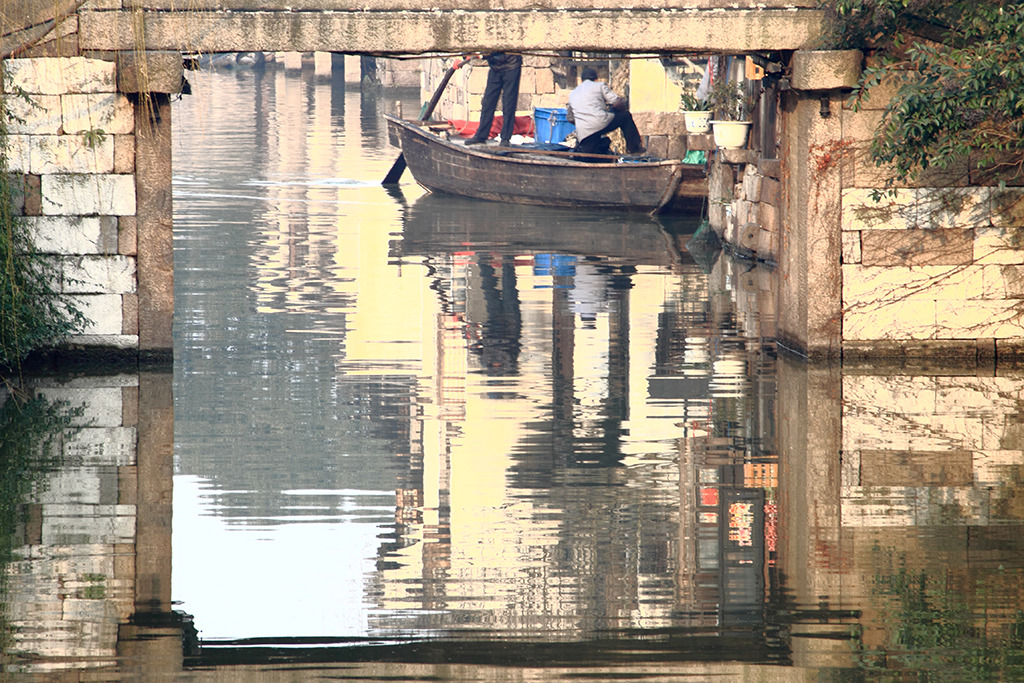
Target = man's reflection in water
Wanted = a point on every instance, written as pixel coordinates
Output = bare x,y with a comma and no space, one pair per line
499,342
589,294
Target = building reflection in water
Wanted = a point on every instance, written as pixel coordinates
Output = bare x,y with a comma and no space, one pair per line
565,444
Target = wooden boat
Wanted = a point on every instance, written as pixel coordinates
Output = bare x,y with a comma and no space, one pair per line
530,176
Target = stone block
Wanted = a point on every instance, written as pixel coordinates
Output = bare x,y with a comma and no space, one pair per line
861,212
998,467
999,245
879,97
527,81
108,234
126,235
877,506
1007,206
962,319
112,113
103,312
130,314
657,145
851,246
704,142
893,320
917,247
544,81
33,196
52,154
1010,351
58,76
124,154
108,446
752,184
910,468
953,207
770,168
771,192
740,212
65,234
749,234
737,157
767,248
126,342
130,400
149,72
677,148
40,115
864,285
88,194
128,485
477,81
102,405
99,275
18,153
825,69
771,218
1003,281
102,5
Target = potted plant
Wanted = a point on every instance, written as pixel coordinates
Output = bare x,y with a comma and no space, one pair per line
731,105
696,113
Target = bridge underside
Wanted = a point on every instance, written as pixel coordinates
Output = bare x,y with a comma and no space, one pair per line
389,32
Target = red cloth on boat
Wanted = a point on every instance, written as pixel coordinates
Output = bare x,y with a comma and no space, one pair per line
523,126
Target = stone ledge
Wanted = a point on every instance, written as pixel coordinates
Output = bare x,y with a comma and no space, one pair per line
704,142
826,69
943,356
737,157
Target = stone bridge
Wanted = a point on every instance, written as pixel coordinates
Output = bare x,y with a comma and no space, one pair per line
851,277
392,27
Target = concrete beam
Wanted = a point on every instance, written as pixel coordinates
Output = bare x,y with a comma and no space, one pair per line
389,32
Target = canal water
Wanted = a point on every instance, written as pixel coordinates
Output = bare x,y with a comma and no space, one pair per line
415,437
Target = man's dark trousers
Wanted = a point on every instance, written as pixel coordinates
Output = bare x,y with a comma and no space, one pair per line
503,82
621,119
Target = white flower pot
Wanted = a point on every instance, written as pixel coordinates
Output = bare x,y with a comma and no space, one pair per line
697,121
730,134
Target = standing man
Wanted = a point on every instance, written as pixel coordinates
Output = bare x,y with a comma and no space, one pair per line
596,110
502,79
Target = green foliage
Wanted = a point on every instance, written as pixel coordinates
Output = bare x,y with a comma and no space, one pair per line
960,73
31,314
93,137
688,101
729,100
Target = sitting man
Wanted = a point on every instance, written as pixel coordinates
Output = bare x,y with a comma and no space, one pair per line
596,110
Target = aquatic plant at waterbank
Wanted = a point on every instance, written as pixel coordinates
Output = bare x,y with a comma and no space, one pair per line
32,314
956,72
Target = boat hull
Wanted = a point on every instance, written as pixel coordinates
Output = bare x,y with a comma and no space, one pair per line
502,175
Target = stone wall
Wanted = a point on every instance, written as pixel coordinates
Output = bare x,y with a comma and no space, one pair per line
942,266
75,145
935,270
